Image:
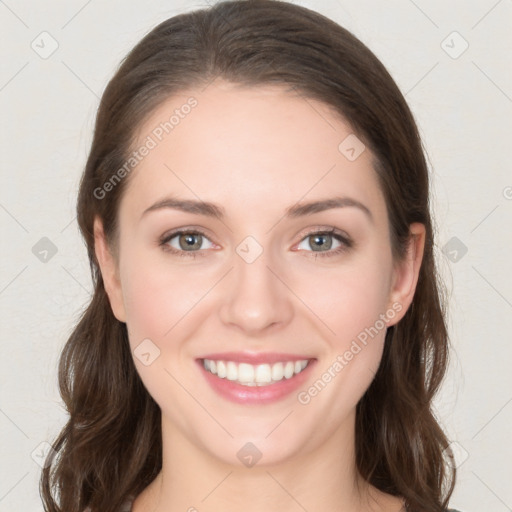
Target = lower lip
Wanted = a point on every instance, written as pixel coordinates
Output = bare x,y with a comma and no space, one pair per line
241,394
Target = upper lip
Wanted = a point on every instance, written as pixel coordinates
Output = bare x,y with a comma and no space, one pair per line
256,358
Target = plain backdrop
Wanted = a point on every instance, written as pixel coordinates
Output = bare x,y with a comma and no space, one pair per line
452,62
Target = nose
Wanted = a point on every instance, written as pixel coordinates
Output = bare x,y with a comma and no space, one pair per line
256,296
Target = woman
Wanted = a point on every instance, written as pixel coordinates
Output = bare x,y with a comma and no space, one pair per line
221,364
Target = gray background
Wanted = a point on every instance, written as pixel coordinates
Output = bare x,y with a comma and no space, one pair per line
462,100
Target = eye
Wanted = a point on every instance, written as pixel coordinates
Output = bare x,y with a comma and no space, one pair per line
324,241
184,242
189,243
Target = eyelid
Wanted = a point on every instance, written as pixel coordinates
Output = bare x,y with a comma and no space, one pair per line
186,229
346,242
330,230
339,234
169,235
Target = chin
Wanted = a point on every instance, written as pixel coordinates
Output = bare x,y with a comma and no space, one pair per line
256,451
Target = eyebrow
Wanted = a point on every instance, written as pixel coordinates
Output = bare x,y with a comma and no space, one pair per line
298,210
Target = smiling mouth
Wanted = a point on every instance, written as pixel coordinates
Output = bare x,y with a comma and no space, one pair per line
255,374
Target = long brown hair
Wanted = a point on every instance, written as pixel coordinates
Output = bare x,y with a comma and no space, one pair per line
111,446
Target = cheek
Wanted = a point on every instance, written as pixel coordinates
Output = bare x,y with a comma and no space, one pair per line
157,297
352,304
347,300
159,301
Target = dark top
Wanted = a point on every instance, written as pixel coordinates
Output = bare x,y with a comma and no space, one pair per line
127,506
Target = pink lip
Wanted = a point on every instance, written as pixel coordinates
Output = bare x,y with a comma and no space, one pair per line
255,357
255,395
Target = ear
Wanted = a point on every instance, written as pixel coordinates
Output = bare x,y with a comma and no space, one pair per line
406,273
109,271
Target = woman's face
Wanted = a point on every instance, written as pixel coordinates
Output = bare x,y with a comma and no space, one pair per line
257,281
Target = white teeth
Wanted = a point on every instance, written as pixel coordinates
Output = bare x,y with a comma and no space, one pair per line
254,375
263,374
246,372
289,369
221,369
231,371
277,371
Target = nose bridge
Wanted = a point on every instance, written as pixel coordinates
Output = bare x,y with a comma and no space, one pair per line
256,298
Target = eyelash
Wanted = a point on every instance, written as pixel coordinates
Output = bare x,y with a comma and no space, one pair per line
345,241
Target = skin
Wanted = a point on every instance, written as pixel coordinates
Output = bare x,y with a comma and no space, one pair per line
256,152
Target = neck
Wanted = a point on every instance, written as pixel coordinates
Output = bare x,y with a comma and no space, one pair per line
324,477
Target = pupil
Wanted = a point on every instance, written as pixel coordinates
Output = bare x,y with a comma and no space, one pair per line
320,237
189,240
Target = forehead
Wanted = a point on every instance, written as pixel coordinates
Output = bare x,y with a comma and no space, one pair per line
247,148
